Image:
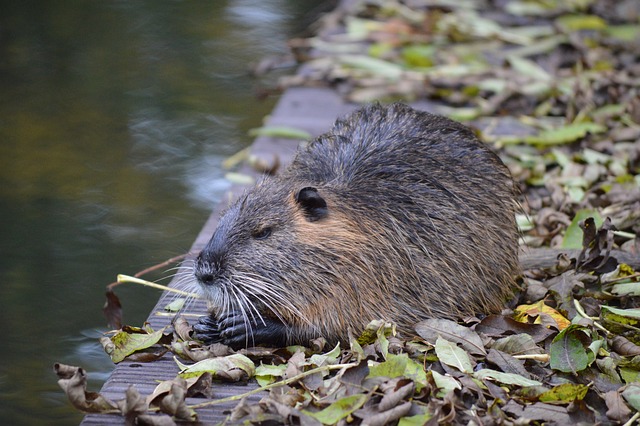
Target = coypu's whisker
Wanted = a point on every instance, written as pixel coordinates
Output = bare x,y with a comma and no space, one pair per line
273,303
251,307
260,287
246,305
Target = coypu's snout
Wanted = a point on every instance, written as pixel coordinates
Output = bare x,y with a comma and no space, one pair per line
206,269
210,262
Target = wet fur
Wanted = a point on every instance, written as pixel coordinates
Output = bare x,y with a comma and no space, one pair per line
417,222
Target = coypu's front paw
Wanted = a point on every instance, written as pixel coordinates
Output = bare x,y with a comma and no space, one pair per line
233,331
207,330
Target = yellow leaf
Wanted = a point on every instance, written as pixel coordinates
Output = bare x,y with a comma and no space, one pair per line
524,312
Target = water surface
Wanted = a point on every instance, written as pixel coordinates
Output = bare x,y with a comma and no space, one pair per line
114,119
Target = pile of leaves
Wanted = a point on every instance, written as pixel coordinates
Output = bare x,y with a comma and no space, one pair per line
555,87
568,353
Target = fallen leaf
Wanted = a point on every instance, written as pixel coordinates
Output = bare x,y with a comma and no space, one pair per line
567,134
505,378
449,353
73,381
569,350
133,405
283,132
395,391
433,328
564,393
174,403
631,394
575,235
417,420
519,344
130,339
537,310
581,22
112,309
499,325
400,366
616,408
339,409
445,383
386,417
232,368
507,363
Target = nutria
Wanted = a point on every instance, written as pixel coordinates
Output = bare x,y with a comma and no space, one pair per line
394,214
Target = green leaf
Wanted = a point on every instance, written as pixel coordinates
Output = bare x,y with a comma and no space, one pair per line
449,353
339,409
376,330
239,178
626,289
629,375
329,358
564,393
632,395
567,134
375,66
624,32
505,378
131,340
628,313
419,56
573,236
581,22
529,68
283,132
175,305
569,350
234,367
417,420
622,321
445,383
400,366
269,373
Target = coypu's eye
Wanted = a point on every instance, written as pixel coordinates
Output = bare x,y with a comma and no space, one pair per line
261,233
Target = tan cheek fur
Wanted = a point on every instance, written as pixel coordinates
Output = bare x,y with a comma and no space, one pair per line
337,235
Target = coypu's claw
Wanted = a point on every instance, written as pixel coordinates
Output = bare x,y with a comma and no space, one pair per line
233,331
207,330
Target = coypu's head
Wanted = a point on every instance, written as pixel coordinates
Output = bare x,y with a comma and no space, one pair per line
264,249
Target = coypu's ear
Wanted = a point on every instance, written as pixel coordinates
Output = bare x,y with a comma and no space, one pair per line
312,203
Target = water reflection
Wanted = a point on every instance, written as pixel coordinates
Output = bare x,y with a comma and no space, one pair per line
114,119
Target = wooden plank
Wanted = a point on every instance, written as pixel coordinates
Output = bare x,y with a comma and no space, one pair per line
311,109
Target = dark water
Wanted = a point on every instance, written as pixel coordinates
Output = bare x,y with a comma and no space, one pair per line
114,119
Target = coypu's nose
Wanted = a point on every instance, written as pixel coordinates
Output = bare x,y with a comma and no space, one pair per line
206,269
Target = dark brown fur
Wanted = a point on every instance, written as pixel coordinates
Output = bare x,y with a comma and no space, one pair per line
394,214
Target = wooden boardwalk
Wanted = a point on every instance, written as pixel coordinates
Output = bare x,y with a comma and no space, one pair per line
311,109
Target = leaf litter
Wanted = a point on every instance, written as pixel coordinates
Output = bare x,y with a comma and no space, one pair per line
555,87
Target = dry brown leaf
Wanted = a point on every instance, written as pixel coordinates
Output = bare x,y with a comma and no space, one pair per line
616,408
73,381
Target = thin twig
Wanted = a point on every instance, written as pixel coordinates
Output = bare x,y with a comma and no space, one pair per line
128,279
152,268
288,381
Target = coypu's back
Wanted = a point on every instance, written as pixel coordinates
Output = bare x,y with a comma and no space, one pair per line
430,197
393,214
